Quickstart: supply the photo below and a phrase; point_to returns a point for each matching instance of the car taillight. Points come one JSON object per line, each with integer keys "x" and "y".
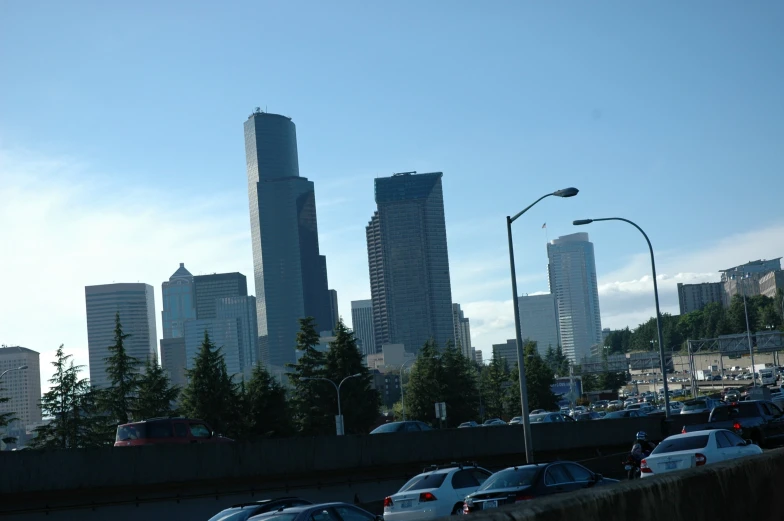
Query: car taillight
{"x": 424, "y": 497}
{"x": 388, "y": 502}
{"x": 522, "y": 496}
{"x": 737, "y": 426}
{"x": 700, "y": 459}
{"x": 683, "y": 430}
{"x": 466, "y": 510}
{"x": 644, "y": 468}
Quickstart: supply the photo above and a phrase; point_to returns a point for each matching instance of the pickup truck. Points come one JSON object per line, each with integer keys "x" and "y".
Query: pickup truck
{"x": 758, "y": 420}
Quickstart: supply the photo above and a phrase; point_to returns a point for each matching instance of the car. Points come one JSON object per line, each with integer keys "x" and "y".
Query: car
{"x": 587, "y": 416}
{"x": 468, "y": 424}
{"x": 579, "y": 409}
{"x": 634, "y": 406}
{"x": 156, "y": 431}
{"x": 600, "y": 404}
{"x": 695, "y": 449}
{"x": 243, "y": 511}
{"x": 403, "y": 426}
{"x": 698, "y": 405}
{"x": 623, "y": 414}
{"x": 436, "y": 492}
{"x": 517, "y": 420}
{"x": 549, "y": 417}
{"x": 537, "y": 411}
{"x": 319, "y": 512}
{"x": 516, "y": 484}
{"x": 493, "y": 422}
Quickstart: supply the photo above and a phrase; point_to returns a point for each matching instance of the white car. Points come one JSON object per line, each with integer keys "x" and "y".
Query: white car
{"x": 434, "y": 493}
{"x": 695, "y": 449}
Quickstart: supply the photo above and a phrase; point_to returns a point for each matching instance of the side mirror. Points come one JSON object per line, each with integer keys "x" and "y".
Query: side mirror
{"x": 598, "y": 477}
{"x": 749, "y": 442}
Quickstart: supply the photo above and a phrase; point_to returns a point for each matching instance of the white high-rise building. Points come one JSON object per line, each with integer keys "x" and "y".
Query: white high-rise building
{"x": 539, "y": 321}
{"x": 462, "y": 331}
{"x": 136, "y": 304}
{"x": 23, "y": 387}
{"x": 362, "y": 324}
{"x": 572, "y": 270}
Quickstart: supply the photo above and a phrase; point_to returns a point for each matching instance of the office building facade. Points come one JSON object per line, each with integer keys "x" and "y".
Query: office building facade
{"x": 693, "y": 297}
{"x": 173, "y": 359}
{"x": 408, "y": 262}
{"x": 362, "y": 324}
{"x": 507, "y": 351}
{"x": 462, "y": 331}
{"x": 770, "y": 283}
{"x": 225, "y": 333}
{"x": 745, "y": 279}
{"x": 23, "y": 387}
{"x": 135, "y": 302}
{"x": 208, "y": 289}
{"x": 178, "y": 302}
{"x": 290, "y": 273}
{"x": 539, "y": 321}
{"x": 242, "y": 309}
{"x": 333, "y": 309}
{"x": 572, "y": 272}
{"x": 478, "y": 356}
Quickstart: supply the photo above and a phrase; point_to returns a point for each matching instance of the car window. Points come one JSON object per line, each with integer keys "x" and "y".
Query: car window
{"x": 130, "y": 432}
{"x": 199, "y": 430}
{"x": 412, "y": 427}
{"x": 556, "y": 475}
{"x": 734, "y": 439}
{"x": 348, "y": 513}
{"x": 423, "y": 481}
{"x": 388, "y": 427}
{"x": 764, "y": 408}
{"x": 480, "y": 475}
{"x": 578, "y": 472}
{"x": 424, "y": 426}
{"x": 323, "y": 515}
{"x": 537, "y": 418}
{"x": 557, "y": 418}
{"x": 511, "y": 478}
{"x": 675, "y": 444}
{"x": 180, "y": 430}
{"x": 774, "y": 410}
{"x": 160, "y": 429}
{"x": 464, "y": 479}
{"x": 722, "y": 441}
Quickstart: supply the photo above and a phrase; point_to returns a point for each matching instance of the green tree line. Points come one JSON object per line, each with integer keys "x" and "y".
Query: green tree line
{"x": 710, "y": 322}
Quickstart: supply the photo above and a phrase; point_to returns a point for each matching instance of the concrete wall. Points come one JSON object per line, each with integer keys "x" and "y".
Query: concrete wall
{"x": 743, "y": 489}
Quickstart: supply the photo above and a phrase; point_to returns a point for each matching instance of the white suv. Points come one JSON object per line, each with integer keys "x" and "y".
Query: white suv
{"x": 434, "y": 493}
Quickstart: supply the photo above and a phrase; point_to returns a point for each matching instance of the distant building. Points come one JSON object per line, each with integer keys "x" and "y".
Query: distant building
{"x": 136, "y": 305}
{"x": 572, "y": 270}
{"x": 478, "y": 356}
{"x": 539, "y": 321}
{"x": 333, "y": 307}
{"x": 770, "y": 283}
{"x": 243, "y": 310}
{"x": 693, "y": 297}
{"x": 178, "y": 302}
{"x": 745, "y": 279}
{"x": 462, "y": 330}
{"x": 209, "y": 288}
{"x": 173, "y": 359}
{"x": 408, "y": 262}
{"x": 362, "y": 324}
{"x": 388, "y": 386}
{"x": 224, "y": 333}
{"x": 325, "y": 339}
{"x": 507, "y": 351}
{"x": 605, "y": 333}
{"x": 23, "y": 387}
{"x": 391, "y": 356}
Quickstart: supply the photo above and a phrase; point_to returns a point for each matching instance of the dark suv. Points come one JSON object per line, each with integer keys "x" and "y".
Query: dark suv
{"x": 166, "y": 430}
{"x": 243, "y": 511}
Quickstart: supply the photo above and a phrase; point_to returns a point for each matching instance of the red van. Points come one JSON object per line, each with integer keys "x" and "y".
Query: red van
{"x": 166, "y": 430}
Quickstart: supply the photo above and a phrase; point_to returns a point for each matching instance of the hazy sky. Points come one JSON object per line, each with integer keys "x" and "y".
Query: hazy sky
{"x": 122, "y": 154}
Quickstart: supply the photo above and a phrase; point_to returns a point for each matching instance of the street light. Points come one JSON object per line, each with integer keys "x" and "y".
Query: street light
{"x": 339, "y": 419}
{"x": 20, "y": 368}
{"x": 529, "y": 452}
{"x": 656, "y": 298}
{"x": 402, "y": 393}
{"x": 748, "y": 332}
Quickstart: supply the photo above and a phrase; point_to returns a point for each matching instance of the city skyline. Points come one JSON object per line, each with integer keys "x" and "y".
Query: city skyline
{"x": 96, "y": 190}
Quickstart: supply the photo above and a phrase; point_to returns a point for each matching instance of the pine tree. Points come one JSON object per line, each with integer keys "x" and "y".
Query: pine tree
{"x": 6, "y": 417}
{"x": 495, "y": 384}
{"x": 539, "y": 379}
{"x": 69, "y": 403}
{"x": 310, "y": 399}
{"x": 360, "y": 402}
{"x": 266, "y": 409}
{"x": 460, "y": 390}
{"x": 156, "y": 395}
{"x": 119, "y": 399}
{"x": 424, "y": 388}
{"x": 210, "y": 393}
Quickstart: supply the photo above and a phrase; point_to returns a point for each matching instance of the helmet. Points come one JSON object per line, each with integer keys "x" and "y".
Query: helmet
{"x": 641, "y": 435}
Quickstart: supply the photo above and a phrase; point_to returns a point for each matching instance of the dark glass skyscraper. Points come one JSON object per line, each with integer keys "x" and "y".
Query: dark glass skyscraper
{"x": 408, "y": 262}
{"x": 290, "y": 274}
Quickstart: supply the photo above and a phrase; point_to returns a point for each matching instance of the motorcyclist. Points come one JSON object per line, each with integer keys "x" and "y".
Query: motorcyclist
{"x": 642, "y": 447}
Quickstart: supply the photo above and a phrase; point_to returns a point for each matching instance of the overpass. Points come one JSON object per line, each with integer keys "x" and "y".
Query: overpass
{"x": 195, "y": 481}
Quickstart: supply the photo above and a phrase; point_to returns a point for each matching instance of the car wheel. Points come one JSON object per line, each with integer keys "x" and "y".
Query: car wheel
{"x": 458, "y": 510}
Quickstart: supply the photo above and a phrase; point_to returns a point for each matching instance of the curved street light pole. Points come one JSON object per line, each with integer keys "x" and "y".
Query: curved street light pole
{"x": 20, "y": 368}
{"x": 402, "y": 393}
{"x": 339, "y": 423}
{"x": 656, "y": 299}
{"x": 529, "y": 452}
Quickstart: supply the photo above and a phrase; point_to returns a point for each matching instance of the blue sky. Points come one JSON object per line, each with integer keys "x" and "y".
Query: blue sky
{"x": 121, "y": 146}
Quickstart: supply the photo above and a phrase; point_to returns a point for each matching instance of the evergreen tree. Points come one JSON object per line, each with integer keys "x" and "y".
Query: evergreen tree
{"x": 360, "y": 402}
{"x": 156, "y": 395}
{"x": 459, "y": 384}
{"x": 6, "y": 417}
{"x": 119, "y": 399}
{"x": 266, "y": 408}
{"x": 210, "y": 394}
{"x": 496, "y": 389}
{"x": 539, "y": 379}
{"x": 69, "y": 403}
{"x": 310, "y": 399}
{"x": 424, "y": 389}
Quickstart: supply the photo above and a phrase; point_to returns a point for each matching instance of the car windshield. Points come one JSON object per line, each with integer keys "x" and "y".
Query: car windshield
{"x": 510, "y": 478}
{"x": 676, "y": 444}
{"x": 692, "y": 405}
{"x": 537, "y": 418}
{"x": 387, "y": 427}
{"x": 424, "y": 481}
{"x": 132, "y": 431}
{"x": 616, "y": 414}
{"x": 282, "y": 516}
{"x": 234, "y": 514}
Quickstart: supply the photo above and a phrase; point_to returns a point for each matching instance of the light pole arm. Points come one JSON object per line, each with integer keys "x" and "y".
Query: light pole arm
{"x": 514, "y": 218}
